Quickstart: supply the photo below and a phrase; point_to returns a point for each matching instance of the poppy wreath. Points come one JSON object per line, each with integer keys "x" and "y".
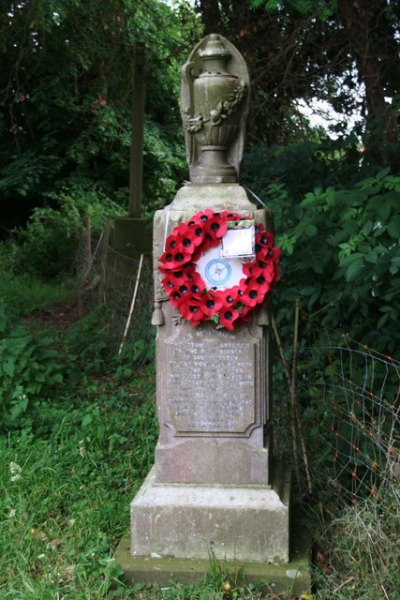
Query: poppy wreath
{"x": 185, "y": 287}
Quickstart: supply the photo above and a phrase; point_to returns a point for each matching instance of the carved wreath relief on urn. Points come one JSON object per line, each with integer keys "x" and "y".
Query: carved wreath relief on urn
{"x": 214, "y": 106}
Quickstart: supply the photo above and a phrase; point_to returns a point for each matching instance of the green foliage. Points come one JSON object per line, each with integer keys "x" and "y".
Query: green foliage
{"x": 299, "y": 167}
{"x": 48, "y": 244}
{"x": 322, "y": 8}
{"x": 26, "y": 173}
{"x": 317, "y": 52}
{"x": 340, "y": 244}
{"x": 27, "y": 294}
{"x": 30, "y": 368}
{"x": 353, "y": 273}
{"x": 86, "y": 343}
{"x": 66, "y": 92}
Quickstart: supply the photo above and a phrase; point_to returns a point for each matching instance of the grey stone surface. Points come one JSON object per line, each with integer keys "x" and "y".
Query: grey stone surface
{"x": 214, "y": 106}
{"x": 243, "y": 523}
{"x": 193, "y": 197}
{"x": 212, "y": 401}
{"x": 285, "y": 578}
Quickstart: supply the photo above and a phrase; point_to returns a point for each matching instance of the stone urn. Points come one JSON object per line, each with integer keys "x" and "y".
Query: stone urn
{"x": 214, "y": 101}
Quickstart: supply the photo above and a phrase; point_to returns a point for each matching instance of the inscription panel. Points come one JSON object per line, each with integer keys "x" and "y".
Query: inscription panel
{"x": 211, "y": 386}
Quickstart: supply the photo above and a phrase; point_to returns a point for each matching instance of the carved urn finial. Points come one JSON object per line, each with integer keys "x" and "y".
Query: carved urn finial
{"x": 214, "y": 106}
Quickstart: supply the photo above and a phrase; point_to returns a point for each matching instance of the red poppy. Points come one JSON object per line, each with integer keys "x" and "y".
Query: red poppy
{"x": 211, "y": 304}
{"x": 229, "y": 296}
{"x": 197, "y": 231}
{"x": 264, "y": 239}
{"x": 230, "y": 216}
{"x": 175, "y": 259}
{"x": 253, "y": 295}
{"x": 252, "y": 269}
{"x": 216, "y": 226}
{"x": 179, "y": 276}
{"x": 175, "y": 237}
{"x": 227, "y": 317}
{"x": 262, "y": 275}
{"x": 275, "y": 254}
{"x": 196, "y": 284}
{"x": 203, "y": 215}
{"x": 190, "y": 309}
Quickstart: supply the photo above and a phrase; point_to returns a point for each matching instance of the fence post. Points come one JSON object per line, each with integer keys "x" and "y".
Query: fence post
{"x": 103, "y": 260}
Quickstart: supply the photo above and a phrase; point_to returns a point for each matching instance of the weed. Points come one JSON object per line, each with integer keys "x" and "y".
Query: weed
{"x": 27, "y": 294}
{"x": 29, "y": 367}
{"x": 363, "y": 549}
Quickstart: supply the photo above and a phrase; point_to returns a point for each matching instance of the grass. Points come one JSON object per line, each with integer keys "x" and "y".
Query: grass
{"x": 66, "y": 482}
{"x": 27, "y": 294}
{"x": 74, "y": 460}
{"x": 363, "y": 550}
{"x": 65, "y": 496}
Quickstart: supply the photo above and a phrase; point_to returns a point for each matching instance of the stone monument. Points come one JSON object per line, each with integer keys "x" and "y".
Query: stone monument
{"x": 213, "y": 488}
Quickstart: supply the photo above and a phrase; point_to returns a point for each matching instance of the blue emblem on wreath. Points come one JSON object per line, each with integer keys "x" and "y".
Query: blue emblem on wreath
{"x": 218, "y": 271}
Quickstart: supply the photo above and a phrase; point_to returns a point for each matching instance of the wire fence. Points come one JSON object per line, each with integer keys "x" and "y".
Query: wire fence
{"x": 344, "y": 411}
{"x": 124, "y": 285}
{"x": 361, "y": 392}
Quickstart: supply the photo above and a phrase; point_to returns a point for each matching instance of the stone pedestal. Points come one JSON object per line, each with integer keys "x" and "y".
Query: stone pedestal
{"x": 210, "y": 489}
{"x": 234, "y": 523}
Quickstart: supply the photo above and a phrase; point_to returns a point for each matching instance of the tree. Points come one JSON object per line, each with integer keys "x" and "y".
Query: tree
{"x": 371, "y": 30}
{"x": 65, "y": 95}
{"x": 282, "y": 50}
{"x": 343, "y": 51}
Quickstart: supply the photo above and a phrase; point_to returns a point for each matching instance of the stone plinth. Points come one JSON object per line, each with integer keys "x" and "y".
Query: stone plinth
{"x": 243, "y": 523}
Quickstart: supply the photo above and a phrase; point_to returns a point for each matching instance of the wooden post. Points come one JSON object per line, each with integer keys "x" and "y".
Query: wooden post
{"x": 86, "y": 249}
{"x": 103, "y": 259}
{"x": 136, "y": 162}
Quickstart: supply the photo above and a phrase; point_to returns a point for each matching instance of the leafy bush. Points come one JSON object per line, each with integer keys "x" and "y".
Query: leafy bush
{"x": 48, "y": 244}
{"x": 30, "y": 368}
{"x": 340, "y": 243}
{"x": 87, "y": 345}
{"x": 346, "y": 256}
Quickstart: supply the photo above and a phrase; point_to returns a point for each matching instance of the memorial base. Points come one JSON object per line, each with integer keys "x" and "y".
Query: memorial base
{"x": 242, "y": 523}
{"x": 284, "y": 577}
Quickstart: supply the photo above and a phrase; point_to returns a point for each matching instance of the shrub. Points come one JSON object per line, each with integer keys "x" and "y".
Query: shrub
{"x": 48, "y": 244}
{"x": 341, "y": 251}
{"x": 29, "y": 368}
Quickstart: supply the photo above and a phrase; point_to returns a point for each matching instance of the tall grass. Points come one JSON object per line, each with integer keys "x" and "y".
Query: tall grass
{"x": 65, "y": 494}
{"x": 363, "y": 551}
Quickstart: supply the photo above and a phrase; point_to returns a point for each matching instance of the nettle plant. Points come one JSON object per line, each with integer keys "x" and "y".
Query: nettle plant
{"x": 29, "y": 368}
{"x": 341, "y": 257}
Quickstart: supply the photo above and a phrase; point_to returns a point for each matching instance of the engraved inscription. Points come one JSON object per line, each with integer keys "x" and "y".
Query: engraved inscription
{"x": 211, "y": 386}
